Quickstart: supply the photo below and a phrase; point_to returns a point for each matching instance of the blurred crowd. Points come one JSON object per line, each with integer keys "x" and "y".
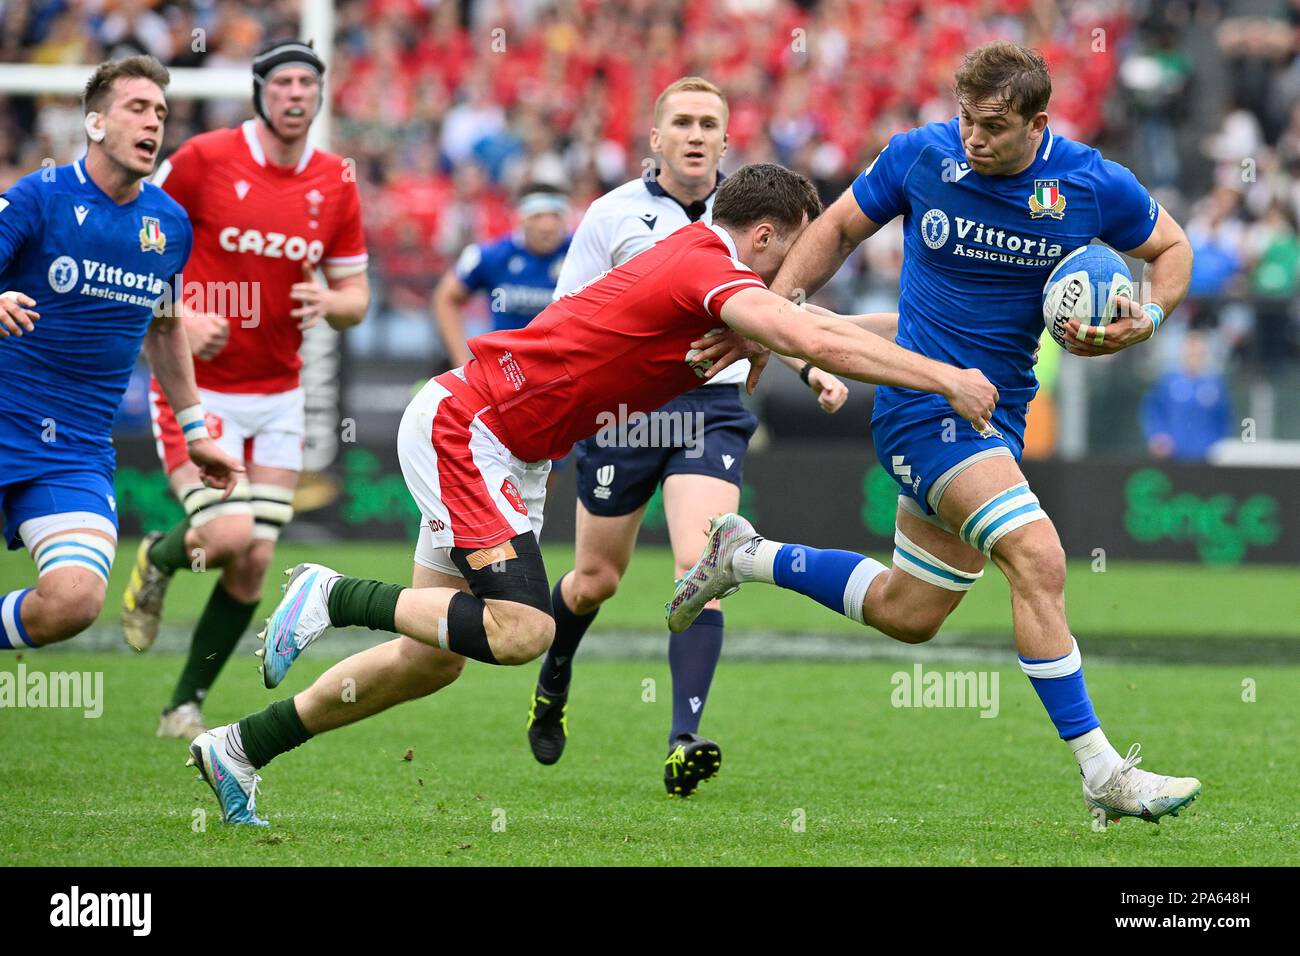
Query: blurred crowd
{"x": 448, "y": 106}
{"x": 1235, "y": 171}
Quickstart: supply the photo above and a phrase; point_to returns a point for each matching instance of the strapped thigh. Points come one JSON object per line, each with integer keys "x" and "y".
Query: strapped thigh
{"x": 63, "y": 541}
{"x": 511, "y": 571}
{"x": 999, "y": 516}
{"x": 272, "y": 509}
{"x": 920, "y": 563}
{"x": 203, "y": 504}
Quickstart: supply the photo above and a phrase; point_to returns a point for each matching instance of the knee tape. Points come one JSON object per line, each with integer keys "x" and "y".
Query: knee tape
{"x": 920, "y": 563}
{"x": 512, "y": 571}
{"x": 272, "y": 510}
{"x": 202, "y": 504}
{"x": 999, "y": 516}
{"x": 87, "y": 551}
{"x": 465, "y": 618}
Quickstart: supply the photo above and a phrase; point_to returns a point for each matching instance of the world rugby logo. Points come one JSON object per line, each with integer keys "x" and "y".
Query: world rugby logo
{"x": 934, "y": 228}
{"x": 63, "y": 274}
{"x": 604, "y": 478}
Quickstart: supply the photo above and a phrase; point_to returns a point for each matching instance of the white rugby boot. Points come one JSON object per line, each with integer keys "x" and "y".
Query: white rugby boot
{"x": 185, "y": 721}
{"x": 1130, "y": 792}
{"x": 712, "y": 576}
{"x": 301, "y": 616}
{"x": 232, "y": 779}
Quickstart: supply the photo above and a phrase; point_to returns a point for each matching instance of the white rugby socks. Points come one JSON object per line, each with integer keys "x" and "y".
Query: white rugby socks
{"x": 13, "y": 636}
{"x": 756, "y": 561}
{"x": 1097, "y": 758}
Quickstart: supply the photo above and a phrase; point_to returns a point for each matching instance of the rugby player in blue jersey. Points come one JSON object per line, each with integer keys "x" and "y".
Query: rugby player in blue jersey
{"x": 88, "y": 254}
{"x": 990, "y": 200}
{"x": 516, "y": 272}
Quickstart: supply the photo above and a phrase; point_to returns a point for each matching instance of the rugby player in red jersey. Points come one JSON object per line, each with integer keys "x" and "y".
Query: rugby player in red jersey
{"x": 269, "y": 211}
{"x": 476, "y": 445}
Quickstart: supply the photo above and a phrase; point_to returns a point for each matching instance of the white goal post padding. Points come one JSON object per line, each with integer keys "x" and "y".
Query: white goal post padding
{"x": 29, "y": 79}
{"x": 225, "y": 83}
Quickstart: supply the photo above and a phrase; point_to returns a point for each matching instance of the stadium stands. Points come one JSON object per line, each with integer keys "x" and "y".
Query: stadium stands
{"x": 446, "y": 107}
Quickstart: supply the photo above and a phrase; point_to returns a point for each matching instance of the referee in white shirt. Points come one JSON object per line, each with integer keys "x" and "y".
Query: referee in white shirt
{"x": 697, "y": 453}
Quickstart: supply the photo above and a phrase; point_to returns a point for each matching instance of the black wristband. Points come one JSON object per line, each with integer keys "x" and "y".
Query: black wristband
{"x": 804, "y": 372}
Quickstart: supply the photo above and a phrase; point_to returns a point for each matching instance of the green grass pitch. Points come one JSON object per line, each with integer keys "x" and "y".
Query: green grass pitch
{"x": 1154, "y": 601}
{"x": 819, "y": 768}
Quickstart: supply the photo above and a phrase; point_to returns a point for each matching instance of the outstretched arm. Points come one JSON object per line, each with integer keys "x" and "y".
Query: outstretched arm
{"x": 841, "y": 347}
{"x": 722, "y": 347}
{"x": 884, "y": 324}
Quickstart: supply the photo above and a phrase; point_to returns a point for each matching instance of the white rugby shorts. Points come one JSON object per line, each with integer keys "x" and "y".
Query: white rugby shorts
{"x": 264, "y": 429}
{"x": 472, "y": 492}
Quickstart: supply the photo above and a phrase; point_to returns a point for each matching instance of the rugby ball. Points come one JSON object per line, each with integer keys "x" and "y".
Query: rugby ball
{"x": 1083, "y": 286}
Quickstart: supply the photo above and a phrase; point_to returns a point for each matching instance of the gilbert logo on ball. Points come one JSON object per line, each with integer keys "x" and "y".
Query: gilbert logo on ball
{"x": 1084, "y": 286}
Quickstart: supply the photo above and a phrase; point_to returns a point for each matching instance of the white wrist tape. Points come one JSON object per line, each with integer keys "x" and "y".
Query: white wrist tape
{"x": 1156, "y": 314}
{"x": 192, "y": 423}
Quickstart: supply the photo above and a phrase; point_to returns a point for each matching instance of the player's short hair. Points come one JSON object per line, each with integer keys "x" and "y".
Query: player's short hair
{"x": 100, "y": 85}
{"x": 1005, "y": 71}
{"x": 766, "y": 192}
{"x": 690, "y": 84}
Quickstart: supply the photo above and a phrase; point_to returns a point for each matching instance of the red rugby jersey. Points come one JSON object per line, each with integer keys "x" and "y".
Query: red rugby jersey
{"x": 255, "y": 222}
{"x": 620, "y": 340}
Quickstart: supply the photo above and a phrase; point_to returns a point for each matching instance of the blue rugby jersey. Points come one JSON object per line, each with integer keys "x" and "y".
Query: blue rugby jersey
{"x": 518, "y": 283}
{"x": 977, "y": 249}
{"x": 95, "y": 269}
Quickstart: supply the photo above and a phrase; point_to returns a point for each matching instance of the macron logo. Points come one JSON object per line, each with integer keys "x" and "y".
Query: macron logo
{"x": 728, "y": 461}
{"x": 696, "y": 704}
{"x": 81, "y": 212}
{"x": 961, "y": 171}
{"x": 241, "y": 189}
{"x": 133, "y": 910}
{"x": 902, "y": 470}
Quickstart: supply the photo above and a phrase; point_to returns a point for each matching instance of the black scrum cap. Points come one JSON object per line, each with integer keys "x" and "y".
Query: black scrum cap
{"x": 276, "y": 56}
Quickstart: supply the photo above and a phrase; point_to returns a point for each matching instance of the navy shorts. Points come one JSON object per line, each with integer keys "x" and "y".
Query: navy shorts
{"x": 920, "y": 443}
{"x": 704, "y": 432}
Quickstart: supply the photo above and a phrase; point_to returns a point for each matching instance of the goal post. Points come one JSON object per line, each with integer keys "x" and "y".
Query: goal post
{"x": 187, "y": 83}
{"x": 33, "y": 79}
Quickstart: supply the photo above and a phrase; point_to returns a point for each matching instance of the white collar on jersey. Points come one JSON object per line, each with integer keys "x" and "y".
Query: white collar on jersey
{"x": 726, "y": 237}
{"x": 255, "y": 147}
{"x": 79, "y": 167}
